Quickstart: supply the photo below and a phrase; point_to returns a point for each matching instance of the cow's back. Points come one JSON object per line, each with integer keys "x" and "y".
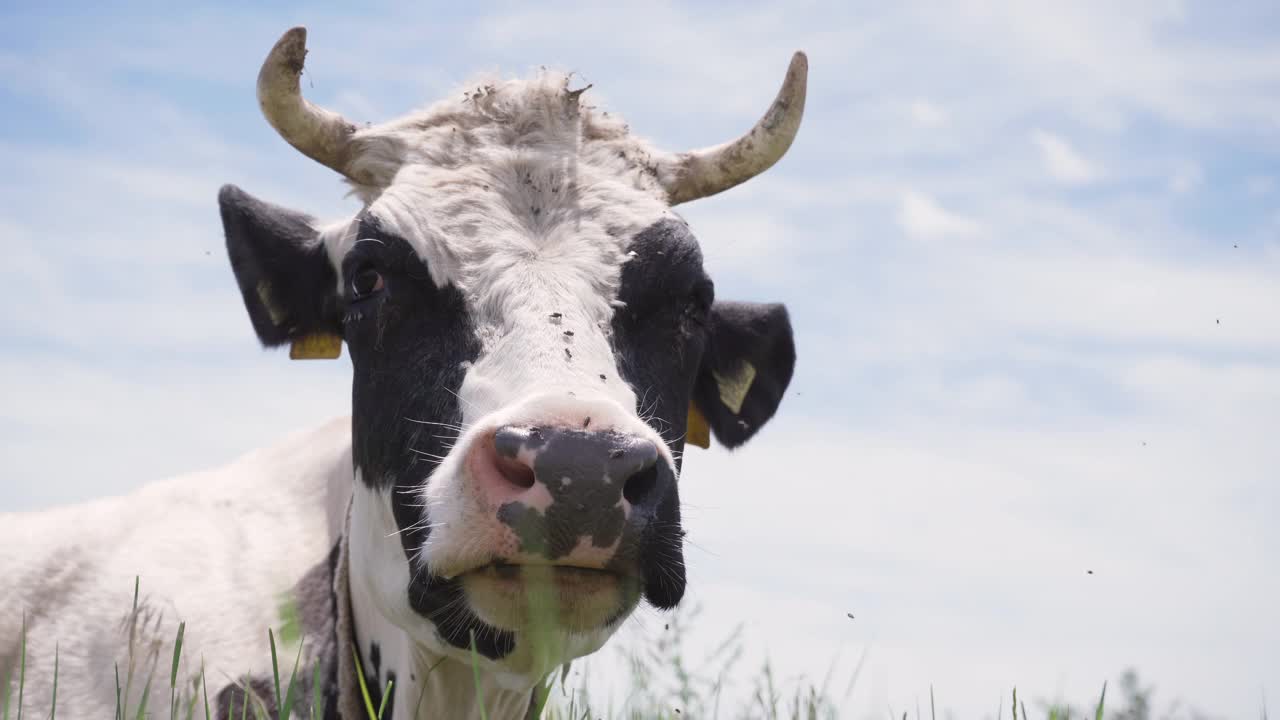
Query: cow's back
{"x": 215, "y": 549}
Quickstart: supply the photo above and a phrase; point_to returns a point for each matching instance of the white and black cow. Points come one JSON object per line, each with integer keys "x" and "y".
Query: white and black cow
{"x": 533, "y": 341}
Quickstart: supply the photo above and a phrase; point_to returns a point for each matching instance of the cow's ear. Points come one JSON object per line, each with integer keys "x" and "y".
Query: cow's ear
{"x": 289, "y": 286}
{"x": 745, "y": 369}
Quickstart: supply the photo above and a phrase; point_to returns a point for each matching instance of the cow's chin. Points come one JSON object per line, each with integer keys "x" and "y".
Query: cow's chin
{"x": 549, "y": 598}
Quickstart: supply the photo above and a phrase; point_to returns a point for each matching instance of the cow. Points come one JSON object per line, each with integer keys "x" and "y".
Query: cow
{"x": 533, "y": 341}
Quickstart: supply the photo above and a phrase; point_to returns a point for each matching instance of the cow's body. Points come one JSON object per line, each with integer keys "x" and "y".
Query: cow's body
{"x": 217, "y": 549}
{"x": 532, "y": 336}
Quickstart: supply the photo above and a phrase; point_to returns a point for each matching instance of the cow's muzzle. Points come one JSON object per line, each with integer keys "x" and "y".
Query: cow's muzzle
{"x": 575, "y": 514}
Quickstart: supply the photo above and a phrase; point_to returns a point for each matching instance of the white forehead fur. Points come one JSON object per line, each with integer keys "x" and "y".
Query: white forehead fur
{"x": 508, "y": 185}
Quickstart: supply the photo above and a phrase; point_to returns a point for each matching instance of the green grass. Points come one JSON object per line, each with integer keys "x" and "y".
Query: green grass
{"x": 665, "y": 684}
{"x": 475, "y": 674}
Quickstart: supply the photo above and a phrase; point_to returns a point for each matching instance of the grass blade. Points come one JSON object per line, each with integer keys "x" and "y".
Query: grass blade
{"x": 191, "y": 702}
{"x": 22, "y": 668}
{"x": 119, "y": 708}
{"x": 53, "y": 710}
{"x": 1097, "y": 714}
{"x": 423, "y": 692}
{"x": 386, "y": 694}
{"x": 204, "y": 686}
{"x": 317, "y": 700}
{"x": 133, "y": 627}
{"x": 933, "y": 708}
{"x": 146, "y": 695}
{"x": 275, "y": 666}
{"x": 364, "y": 689}
{"x": 475, "y": 676}
{"x": 173, "y": 671}
{"x": 285, "y": 710}
{"x": 542, "y": 695}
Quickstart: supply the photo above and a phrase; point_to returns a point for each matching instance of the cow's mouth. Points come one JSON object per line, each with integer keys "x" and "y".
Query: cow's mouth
{"x": 530, "y": 597}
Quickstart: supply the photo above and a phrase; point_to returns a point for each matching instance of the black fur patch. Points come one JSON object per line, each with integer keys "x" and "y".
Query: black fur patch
{"x": 232, "y": 699}
{"x": 380, "y": 681}
{"x": 660, "y": 333}
{"x": 389, "y": 712}
{"x": 408, "y": 344}
{"x": 659, "y": 338}
{"x": 669, "y": 306}
{"x": 441, "y": 601}
{"x": 670, "y": 338}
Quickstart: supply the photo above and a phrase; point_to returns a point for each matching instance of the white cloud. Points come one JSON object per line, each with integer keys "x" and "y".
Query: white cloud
{"x": 1098, "y": 65}
{"x": 1118, "y": 299}
{"x": 920, "y": 216}
{"x": 99, "y": 426}
{"x": 926, "y": 114}
{"x": 1061, "y": 161}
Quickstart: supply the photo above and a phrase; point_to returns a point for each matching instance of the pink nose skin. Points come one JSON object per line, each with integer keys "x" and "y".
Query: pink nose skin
{"x": 565, "y": 496}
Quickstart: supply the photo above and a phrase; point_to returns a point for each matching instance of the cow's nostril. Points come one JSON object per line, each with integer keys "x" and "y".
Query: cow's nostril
{"x": 506, "y": 454}
{"x": 640, "y": 485}
{"x": 516, "y": 472}
{"x": 637, "y": 460}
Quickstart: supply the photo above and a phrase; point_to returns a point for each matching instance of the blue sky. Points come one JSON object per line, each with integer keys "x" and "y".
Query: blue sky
{"x": 1032, "y": 255}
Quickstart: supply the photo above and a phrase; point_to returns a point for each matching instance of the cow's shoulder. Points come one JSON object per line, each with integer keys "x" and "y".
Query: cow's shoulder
{"x": 216, "y": 549}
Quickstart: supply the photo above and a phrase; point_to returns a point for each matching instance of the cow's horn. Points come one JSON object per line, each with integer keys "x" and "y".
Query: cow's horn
{"x": 704, "y": 172}
{"x": 322, "y": 135}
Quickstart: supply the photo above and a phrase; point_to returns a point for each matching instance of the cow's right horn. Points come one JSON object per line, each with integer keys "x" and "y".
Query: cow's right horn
{"x": 320, "y": 134}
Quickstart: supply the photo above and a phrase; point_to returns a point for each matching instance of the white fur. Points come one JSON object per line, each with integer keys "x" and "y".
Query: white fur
{"x": 214, "y": 549}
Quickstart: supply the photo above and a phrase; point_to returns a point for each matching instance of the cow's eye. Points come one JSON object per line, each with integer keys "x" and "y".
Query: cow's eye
{"x": 365, "y": 282}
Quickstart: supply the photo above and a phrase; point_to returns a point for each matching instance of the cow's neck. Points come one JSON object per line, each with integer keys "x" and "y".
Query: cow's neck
{"x": 426, "y": 684}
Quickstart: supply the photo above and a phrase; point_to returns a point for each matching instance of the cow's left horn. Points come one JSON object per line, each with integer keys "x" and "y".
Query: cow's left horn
{"x": 322, "y": 135}
{"x": 704, "y": 172}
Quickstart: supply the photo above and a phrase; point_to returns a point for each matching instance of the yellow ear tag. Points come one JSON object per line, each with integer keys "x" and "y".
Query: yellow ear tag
{"x": 697, "y": 432}
{"x": 320, "y": 346}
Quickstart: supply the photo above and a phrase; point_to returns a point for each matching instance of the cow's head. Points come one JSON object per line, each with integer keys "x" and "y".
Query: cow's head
{"x": 531, "y": 329}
